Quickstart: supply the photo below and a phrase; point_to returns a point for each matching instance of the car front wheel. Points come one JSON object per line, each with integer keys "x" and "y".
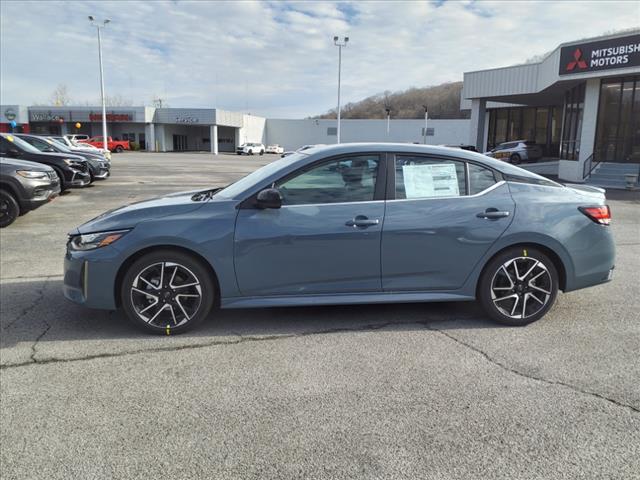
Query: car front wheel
{"x": 119, "y": 149}
{"x": 518, "y": 286}
{"x": 9, "y": 209}
{"x": 167, "y": 292}
{"x": 515, "y": 159}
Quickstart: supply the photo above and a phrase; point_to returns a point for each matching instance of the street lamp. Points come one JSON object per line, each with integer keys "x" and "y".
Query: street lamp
{"x": 426, "y": 119}
{"x": 339, "y": 43}
{"x": 99, "y": 27}
{"x": 387, "y": 109}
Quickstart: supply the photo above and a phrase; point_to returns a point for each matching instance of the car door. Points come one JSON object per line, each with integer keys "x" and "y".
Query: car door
{"x": 324, "y": 239}
{"x": 442, "y": 216}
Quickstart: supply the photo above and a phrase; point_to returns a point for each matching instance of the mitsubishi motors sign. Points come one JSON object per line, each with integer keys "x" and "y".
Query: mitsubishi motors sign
{"x": 609, "y": 54}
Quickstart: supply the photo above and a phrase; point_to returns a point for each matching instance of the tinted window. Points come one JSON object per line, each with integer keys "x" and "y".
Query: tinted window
{"x": 350, "y": 179}
{"x": 480, "y": 178}
{"x": 423, "y": 177}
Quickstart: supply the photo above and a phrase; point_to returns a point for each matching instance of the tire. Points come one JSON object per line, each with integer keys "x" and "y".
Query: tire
{"x": 63, "y": 184}
{"x": 238, "y": 153}
{"x": 250, "y": 152}
{"x": 9, "y": 208}
{"x": 503, "y": 294}
{"x": 515, "y": 159}
{"x": 261, "y": 152}
{"x": 189, "y": 270}
{"x": 119, "y": 149}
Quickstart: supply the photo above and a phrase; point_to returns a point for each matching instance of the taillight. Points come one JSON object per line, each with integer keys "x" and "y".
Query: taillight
{"x": 601, "y": 214}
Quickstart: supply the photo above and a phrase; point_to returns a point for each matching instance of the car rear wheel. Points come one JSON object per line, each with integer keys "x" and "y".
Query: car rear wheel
{"x": 119, "y": 149}
{"x": 518, "y": 286}
{"x": 167, "y": 292}
{"x": 261, "y": 152}
{"x": 515, "y": 159}
{"x": 9, "y": 208}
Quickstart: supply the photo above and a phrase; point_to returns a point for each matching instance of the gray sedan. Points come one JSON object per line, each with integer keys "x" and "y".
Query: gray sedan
{"x": 347, "y": 224}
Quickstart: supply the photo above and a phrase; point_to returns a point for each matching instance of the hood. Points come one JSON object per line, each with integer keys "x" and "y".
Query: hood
{"x": 25, "y": 164}
{"x": 130, "y": 215}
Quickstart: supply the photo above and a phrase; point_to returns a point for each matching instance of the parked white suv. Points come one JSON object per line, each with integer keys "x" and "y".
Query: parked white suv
{"x": 274, "y": 149}
{"x": 250, "y": 149}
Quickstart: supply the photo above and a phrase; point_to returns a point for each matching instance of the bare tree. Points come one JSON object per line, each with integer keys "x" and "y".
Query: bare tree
{"x": 60, "y": 96}
{"x": 159, "y": 102}
{"x": 117, "y": 101}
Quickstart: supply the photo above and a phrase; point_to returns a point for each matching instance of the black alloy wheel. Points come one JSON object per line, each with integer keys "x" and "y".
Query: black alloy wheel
{"x": 167, "y": 292}
{"x": 9, "y": 209}
{"x": 519, "y": 286}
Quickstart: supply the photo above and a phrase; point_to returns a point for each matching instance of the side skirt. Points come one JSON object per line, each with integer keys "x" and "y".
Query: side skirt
{"x": 342, "y": 299}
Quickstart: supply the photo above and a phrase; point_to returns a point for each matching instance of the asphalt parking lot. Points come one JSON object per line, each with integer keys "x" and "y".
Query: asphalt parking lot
{"x": 394, "y": 391}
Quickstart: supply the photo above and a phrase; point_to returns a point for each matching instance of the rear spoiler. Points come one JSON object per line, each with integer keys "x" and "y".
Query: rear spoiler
{"x": 585, "y": 188}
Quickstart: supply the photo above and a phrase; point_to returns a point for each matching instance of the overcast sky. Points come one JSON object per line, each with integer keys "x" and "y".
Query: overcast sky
{"x": 277, "y": 57}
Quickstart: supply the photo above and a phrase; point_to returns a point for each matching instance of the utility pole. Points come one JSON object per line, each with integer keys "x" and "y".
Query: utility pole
{"x": 339, "y": 43}
{"x": 104, "y": 105}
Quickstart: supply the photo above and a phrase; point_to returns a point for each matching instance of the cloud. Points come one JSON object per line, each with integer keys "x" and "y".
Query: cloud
{"x": 277, "y": 57}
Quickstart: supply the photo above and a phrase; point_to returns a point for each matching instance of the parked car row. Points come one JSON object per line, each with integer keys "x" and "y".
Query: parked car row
{"x": 35, "y": 169}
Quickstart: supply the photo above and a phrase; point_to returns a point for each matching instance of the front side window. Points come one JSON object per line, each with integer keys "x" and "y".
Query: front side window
{"x": 350, "y": 179}
{"x": 424, "y": 177}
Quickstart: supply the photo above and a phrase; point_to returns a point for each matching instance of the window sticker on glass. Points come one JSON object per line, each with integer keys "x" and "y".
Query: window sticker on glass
{"x": 438, "y": 180}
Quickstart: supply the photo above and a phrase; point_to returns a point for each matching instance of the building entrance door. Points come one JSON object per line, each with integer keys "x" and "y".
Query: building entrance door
{"x": 179, "y": 143}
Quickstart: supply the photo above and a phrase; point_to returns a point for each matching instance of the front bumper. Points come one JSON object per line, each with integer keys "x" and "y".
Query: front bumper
{"x": 103, "y": 173}
{"x": 89, "y": 277}
{"x": 79, "y": 179}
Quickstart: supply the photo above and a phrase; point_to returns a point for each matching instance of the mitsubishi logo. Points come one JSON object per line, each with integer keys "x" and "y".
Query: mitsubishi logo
{"x": 577, "y": 61}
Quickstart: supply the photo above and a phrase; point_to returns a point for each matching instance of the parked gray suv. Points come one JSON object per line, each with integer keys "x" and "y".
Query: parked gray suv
{"x": 24, "y": 186}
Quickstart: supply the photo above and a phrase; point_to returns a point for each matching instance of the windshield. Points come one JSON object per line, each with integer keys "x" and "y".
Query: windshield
{"x": 21, "y": 144}
{"x": 59, "y": 145}
{"x": 244, "y": 183}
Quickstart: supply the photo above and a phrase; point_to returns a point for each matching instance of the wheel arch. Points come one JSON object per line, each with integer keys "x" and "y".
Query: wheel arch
{"x": 144, "y": 251}
{"x": 553, "y": 256}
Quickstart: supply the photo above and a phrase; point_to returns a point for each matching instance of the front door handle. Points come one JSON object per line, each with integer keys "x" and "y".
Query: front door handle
{"x": 362, "y": 221}
{"x": 492, "y": 214}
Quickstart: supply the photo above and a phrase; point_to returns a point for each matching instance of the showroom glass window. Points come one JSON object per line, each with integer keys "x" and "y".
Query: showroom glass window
{"x": 618, "y": 129}
{"x": 348, "y": 179}
{"x": 572, "y": 127}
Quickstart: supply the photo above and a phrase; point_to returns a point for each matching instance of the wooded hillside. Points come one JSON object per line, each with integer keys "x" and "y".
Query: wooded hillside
{"x": 443, "y": 102}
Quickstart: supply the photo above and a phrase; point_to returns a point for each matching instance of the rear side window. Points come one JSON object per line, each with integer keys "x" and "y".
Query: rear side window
{"x": 424, "y": 177}
{"x": 480, "y": 178}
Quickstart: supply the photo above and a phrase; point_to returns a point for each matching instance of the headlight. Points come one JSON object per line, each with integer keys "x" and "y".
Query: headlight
{"x": 72, "y": 162}
{"x": 32, "y": 174}
{"x": 91, "y": 241}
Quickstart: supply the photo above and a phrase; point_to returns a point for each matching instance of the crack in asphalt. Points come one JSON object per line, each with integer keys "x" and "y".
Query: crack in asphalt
{"x": 26, "y": 310}
{"x": 367, "y": 327}
{"x": 529, "y": 376}
{"x": 32, "y": 277}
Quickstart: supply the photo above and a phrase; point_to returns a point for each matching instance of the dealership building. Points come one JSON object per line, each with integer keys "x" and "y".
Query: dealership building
{"x": 581, "y": 103}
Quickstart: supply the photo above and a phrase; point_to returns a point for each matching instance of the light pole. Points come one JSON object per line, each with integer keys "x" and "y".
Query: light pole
{"x": 99, "y": 27}
{"x": 339, "y": 43}
{"x": 388, "y": 110}
{"x": 426, "y": 119}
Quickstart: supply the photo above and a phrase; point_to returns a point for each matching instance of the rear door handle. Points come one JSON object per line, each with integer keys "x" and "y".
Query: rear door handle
{"x": 492, "y": 214}
{"x": 362, "y": 221}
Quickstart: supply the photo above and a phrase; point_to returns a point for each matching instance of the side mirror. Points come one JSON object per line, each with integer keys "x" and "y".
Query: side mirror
{"x": 269, "y": 198}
